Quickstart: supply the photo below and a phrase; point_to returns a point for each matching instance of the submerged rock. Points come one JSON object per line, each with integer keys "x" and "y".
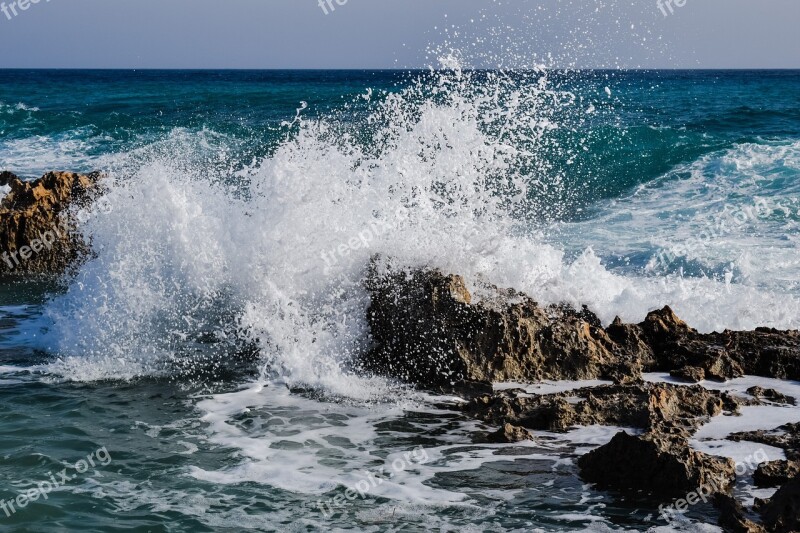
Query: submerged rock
{"x": 36, "y": 230}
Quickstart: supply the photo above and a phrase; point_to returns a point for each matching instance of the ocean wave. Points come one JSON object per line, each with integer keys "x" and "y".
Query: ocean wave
{"x": 452, "y": 172}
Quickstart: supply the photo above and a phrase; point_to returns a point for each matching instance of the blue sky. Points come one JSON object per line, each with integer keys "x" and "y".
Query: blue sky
{"x": 395, "y": 33}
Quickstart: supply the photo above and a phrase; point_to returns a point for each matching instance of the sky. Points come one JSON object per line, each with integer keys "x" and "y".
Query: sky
{"x": 398, "y": 33}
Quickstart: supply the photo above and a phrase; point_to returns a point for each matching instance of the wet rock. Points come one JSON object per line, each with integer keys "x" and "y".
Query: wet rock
{"x": 774, "y": 473}
{"x": 429, "y": 330}
{"x": 692, "y": 374}
{"x": 786, "y": 437}
{"x": 657, "y": 464}
{"x": 781, "y": 513}
{"x": 36, "y": 229}
{"x": 644, "y": 406}
{"x": 771, "y": 395}
{"x": 508, "y": 434}
{"x": 733, "y": 517}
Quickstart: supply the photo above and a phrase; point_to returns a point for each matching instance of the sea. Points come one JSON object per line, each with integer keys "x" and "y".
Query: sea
{"x": 199, "y": 372}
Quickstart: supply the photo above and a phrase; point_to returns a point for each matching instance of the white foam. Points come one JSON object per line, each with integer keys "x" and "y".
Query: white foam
{"x": 751, "y": 418}
{"x": 736, "y": 386}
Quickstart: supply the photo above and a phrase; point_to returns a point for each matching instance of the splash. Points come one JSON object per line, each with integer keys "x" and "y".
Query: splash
{"x": 459, "y": 169}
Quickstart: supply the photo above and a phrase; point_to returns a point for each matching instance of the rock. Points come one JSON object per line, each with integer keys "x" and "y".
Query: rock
{"x": 509, "y": 433}
{"x": 36, "y": 230}
{"x": 732, "y": 516}
{"x": 775, "y": 473}
{"x": 781, "y": 513}
{"x": 692, "y": 374}
{"x": 771, "y": 395}
{"x": 661, "y": 465}
{"x": 644, "y": 406}
{"x": 429, "y": 330}
{"x": 786, "y": 437}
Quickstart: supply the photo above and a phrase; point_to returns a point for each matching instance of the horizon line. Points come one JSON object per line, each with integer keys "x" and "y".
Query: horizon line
{"x": 369, "y": 69}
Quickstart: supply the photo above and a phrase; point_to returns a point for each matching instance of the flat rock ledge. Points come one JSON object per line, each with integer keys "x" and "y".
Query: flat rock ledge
{"x": 429, "y": 330}
{"x": 37, "y": 232}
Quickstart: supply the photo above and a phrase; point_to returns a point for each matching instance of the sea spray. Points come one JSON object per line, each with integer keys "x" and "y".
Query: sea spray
{"x": 192, "y": 264}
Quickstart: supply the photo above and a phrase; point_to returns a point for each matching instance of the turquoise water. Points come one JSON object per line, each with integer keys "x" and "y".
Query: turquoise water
{"x": 226, "y": 190}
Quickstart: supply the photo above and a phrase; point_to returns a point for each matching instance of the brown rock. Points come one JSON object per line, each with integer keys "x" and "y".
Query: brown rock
{"x": 661, "y": 465}
{"x": 36, "y": 231}
{"x": 429, "y": 330}
{"x": 786, "y": 437}
{"x": 692, "y": 374}
{"x": 509, "y": 433}
{"x": 781, "y": 513}
{"x": 775, "y": 473}
{"x": 645, "y": 406}
{"x": 732, "y": 516}
{"x": 771, "y": 395}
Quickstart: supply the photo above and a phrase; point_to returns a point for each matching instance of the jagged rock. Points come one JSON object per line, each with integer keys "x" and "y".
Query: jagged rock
{"x": 509, "y": 433}
{"x": 658, "y": 464}
{"x": 692, "y": 374}
{"x": 427, "y": 329}
{"x": 36, "y": 232}
{"x": 644, "y": 406}
{"x": 732, "y": 516}
{"x": 781, "y": 513}
{"x": 771, "y": 395}
{"x": 774, "y": 473}
{"x": 786, "y": 437}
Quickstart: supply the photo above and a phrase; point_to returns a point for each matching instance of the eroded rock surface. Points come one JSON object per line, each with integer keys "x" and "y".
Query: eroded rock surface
{"x": 644, "y": 406}
{"x": 786, "y": 437}
{"x": 733, "y": 517}
{"x": 782, "y": 512}
{"x": 509, "y": 433}
{"x": 775, "y": 473}
{"x": 656, "y": 463}
{"x": 36, "y": 231}
{"x": 428, "y": 329}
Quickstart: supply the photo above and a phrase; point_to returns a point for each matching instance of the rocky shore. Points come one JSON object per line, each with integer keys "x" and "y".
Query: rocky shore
{"x": 429, "y": 330}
